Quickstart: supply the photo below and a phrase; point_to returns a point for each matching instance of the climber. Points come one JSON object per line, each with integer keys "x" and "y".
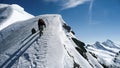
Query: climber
{"x": 41, "y": 25}
{"x": 33, "y": 31}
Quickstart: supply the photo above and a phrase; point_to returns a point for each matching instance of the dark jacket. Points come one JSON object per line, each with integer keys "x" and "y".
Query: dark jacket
{"x": 33, "y": 31}
{"x": 41, "y": 23}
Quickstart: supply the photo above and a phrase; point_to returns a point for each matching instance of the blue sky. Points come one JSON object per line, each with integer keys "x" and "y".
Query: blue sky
{"x": 92, "y": 20}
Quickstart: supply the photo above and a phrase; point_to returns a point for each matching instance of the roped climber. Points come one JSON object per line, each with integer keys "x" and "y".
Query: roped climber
{"x": 33, "y": 31}
{"x": 41, "y": 25}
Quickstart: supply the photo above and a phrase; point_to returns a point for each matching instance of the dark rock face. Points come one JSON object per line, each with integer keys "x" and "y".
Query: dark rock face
{"x": 68, "y": 28}
{"x": 81, "y": 49}
{"x": 80, "y": 45}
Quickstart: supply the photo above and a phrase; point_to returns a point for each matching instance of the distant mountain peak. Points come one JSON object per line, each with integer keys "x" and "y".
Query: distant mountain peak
{"x": 97, "y": 42}
{"x": 105, "y": 50}
{"x": 109, "y": 41}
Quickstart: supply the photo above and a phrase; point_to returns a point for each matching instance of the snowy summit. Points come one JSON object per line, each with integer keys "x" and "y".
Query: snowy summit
{"x": 10, "y": 14}
{"x": 44, "y": 41}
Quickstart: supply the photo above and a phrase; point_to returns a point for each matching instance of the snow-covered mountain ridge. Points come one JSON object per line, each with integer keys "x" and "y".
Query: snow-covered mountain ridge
{"x": 57, "y": 47}
{"x": 106, "y": 52}
{"x": 10, "y": 14}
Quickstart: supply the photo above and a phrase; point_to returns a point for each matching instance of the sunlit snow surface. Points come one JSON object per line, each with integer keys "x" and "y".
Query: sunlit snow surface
{"x": 19, "y": 48}
{"x": 10, "y": 14}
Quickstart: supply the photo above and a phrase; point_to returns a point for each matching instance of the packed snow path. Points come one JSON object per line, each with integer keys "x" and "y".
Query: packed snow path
{"x": 25, "y": 45}
{"x": 40, "y": 51}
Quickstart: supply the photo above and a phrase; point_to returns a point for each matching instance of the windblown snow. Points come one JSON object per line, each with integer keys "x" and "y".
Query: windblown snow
{"x": 57, "y": 47}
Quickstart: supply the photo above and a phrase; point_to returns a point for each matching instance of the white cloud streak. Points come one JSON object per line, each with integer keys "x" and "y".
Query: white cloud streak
{"x": 66, "y": 4}
{"x": 90, "y": 11}
{"x": 73, "y": 3}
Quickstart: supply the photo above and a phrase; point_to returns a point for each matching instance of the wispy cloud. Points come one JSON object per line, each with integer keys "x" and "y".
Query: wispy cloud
{"x": 90, "y": 11}
{"x": 73, "y": 3}
{"x": 66, "y": 4}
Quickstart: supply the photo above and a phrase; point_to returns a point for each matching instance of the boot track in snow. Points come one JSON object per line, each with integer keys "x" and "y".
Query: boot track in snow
{"x": 25, "y": 45}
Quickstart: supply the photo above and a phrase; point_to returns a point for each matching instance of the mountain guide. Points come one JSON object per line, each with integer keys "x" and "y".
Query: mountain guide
{"x": 33, "y": 31}
{"x": 41, "y": 25}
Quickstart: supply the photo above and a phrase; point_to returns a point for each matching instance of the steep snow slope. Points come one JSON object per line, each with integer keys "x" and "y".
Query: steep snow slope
{"x": 10, "y": 14}
{"x": 105, "y": 53}
{"x": 56, "y": 48}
